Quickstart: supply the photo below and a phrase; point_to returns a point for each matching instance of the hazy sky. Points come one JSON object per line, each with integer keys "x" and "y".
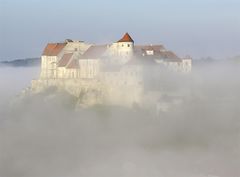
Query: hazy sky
{"x": 194, "y": 27}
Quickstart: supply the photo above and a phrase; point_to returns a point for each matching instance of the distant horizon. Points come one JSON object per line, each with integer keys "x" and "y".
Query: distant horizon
{"x": 207, "y": 28}
{"x": 196, "y": 58}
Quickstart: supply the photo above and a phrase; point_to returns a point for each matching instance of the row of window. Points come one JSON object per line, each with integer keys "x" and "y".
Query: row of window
{"x": 128, "y": 45}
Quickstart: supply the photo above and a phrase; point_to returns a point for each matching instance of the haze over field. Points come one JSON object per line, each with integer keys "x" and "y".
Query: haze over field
{"x": 42, "y": 135}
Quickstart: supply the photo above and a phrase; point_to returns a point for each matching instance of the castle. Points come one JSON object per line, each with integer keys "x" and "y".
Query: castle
{"x": 104, "y": 74}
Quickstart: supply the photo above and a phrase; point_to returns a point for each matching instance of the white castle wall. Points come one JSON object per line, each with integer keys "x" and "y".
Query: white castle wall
{"x": 48, "y": 67}
{"x": 89, "y": 68}
{"x": 125, "y": 86}
{"x": 183, "y": 66}
{"x": 95, "y": 92}
{"x": 122, "y": 51}
{"x": 186, "y": 65}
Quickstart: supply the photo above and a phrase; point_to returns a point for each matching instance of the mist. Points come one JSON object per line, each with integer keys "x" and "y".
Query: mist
{"x": 43, "y": 135}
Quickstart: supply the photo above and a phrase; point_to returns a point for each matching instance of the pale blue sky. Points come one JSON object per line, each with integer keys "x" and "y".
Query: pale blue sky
{"x": 194, "y": 27}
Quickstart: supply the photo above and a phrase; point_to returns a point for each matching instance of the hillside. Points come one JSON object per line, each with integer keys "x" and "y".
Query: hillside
{"x": 28, "y": 62}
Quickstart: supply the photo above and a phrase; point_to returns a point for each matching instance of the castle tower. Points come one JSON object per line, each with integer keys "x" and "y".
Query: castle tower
{"x": 125, "y": 47}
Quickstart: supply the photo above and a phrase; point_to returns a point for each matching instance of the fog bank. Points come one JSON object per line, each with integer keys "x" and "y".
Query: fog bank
{"x": 42, "y": 135}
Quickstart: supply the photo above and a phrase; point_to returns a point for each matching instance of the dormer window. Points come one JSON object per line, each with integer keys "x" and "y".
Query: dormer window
{"x": 150, "y": 52}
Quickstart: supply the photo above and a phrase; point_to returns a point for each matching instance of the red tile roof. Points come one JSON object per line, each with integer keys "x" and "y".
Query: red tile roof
{"x": 142, "y": 49}
{"x": 65, "y": 59}
{"x": 53, "y": 49}
{"x": 94, "y": 52}
{"x": 74, "y": 64}
{"x": 159, "y": 52}
{"x": 168, "y": 55}
{"x": 178, "y": 60}
{"x": 126, "y": 38}
{"x": 149, "y": 47}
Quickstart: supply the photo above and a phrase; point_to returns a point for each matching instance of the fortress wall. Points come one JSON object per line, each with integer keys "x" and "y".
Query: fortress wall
{"x": 94, "y": 92}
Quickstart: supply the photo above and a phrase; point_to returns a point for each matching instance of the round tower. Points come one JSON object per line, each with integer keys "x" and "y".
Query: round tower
{"x": 125, "y": 47}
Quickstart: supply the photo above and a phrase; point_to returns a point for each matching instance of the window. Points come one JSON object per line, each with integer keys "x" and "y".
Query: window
{"x": 128, "y": 45}
{"x": 150, "y": 52}
{"x": 122, "y": 45}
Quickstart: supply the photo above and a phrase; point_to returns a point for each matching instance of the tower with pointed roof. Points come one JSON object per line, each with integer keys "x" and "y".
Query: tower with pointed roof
{"x": 124, "y": 48}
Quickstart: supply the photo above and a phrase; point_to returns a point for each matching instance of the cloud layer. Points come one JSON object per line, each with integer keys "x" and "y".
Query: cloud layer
{"x": 41, "y": 137}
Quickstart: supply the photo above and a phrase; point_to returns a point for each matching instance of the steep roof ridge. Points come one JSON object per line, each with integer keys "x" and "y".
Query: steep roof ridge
{"x": 64, "y": 61}
{"x": 53, "y": 49}
{"x": 47, "y": 50}
{"x": 94, "y": 52}
{"x": 126, "y": 38}
{"x": 73, "y": 64}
